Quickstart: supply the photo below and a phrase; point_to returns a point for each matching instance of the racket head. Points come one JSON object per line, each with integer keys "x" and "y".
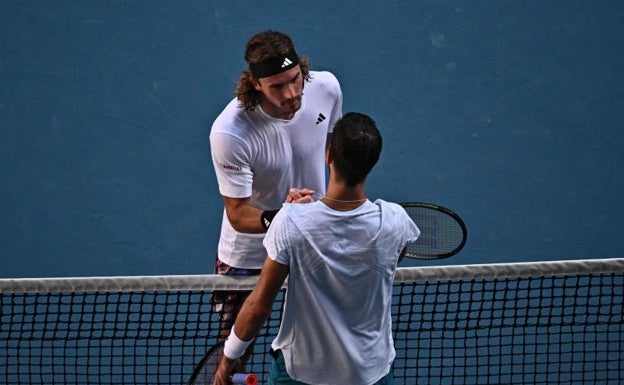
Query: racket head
{"x": 204, "y": 373}
{"x": 443, "y": 232}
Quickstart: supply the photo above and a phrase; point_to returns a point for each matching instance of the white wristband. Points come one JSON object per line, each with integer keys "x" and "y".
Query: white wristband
{"x": 234, "y": 347}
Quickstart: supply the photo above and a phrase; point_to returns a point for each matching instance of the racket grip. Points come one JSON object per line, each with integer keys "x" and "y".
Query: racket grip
{"x": 244, "y": 379}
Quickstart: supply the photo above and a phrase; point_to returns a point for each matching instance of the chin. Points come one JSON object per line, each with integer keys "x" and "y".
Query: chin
{"x": 292, "y": 107}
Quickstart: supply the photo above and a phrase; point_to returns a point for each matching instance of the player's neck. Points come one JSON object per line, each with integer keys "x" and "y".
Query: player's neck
{"x": 343, "y": 198}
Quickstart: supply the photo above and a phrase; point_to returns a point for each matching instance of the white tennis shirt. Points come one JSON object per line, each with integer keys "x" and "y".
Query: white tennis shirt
{"x": 336, "y": 326}
{"x": 258, "y": 156}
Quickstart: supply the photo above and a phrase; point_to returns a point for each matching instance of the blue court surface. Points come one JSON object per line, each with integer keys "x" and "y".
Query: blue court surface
{"x": 509, "y": 112}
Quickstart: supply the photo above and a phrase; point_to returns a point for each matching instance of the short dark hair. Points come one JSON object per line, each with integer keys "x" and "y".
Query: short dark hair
{"x": 355, "y": 147}
{"x": 263, "y": 45}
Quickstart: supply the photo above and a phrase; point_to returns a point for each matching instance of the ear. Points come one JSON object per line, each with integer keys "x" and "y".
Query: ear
{"x": 256, "y": 83}
{"x": 328, "y": 157}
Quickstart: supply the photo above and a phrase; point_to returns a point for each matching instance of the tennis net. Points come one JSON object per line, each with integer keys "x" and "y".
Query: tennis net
{"x": 523, "y": 323}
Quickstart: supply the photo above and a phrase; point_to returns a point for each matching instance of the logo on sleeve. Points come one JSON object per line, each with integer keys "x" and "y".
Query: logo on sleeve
{"x": 229, "y": 167}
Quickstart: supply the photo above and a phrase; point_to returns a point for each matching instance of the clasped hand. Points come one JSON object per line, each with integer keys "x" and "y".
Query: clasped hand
{"x": 302, "y": 195}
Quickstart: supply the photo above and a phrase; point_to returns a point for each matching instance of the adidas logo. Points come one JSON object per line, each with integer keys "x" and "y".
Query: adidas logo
{"x": 286, "y": 62}
{"x": 320, "y": 118}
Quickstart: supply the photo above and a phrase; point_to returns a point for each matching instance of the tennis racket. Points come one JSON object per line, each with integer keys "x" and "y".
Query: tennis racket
{"x": 204, "y": 373}
{"x": 442, "y": 232}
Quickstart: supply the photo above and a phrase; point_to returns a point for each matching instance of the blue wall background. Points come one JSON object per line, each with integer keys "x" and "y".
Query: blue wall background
{"x": 509, "y": 112}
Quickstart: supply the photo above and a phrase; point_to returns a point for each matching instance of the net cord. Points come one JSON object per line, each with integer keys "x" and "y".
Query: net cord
{"x": 221, "y": 282}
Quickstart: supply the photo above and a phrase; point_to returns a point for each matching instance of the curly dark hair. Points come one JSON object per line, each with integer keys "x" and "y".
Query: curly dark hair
{"x": 261, "y": 46}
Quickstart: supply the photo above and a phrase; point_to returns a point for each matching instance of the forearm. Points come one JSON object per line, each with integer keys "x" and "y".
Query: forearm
{"x": 245, "y": 218}
{"x": 253, "y": 315}
{"x": 259, "y": 304}
{"x": 251, "y": 318}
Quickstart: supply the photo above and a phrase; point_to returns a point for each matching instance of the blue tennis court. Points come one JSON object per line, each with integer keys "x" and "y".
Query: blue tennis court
{"x": 509, "y": 112}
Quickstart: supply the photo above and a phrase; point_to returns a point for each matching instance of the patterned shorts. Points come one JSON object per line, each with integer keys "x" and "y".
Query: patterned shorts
{"x": 228, "y": 303}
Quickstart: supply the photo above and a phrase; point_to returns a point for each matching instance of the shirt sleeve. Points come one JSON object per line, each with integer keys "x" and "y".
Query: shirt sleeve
{"x": 410, "y": 230}
{"x": 276, "y": 242}
{"x": 230, "y": 158}
{"x": 337, "y": 111}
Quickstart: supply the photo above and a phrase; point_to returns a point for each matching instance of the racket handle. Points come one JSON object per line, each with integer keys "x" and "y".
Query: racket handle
{"x": 244, "y": 379}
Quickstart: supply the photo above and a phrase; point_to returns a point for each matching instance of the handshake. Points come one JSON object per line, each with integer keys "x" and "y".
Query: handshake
{"x": 302, "y": 195}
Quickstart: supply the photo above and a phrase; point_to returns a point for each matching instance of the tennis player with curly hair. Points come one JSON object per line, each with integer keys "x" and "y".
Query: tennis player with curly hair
{"x": 267, "y": 146}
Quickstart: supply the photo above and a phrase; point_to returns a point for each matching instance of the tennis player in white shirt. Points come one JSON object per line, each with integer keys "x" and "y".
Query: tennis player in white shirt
{"x": 340, "y": 255}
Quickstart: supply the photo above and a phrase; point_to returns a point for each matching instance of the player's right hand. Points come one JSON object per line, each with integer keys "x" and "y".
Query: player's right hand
{"x": 224, "y": 371}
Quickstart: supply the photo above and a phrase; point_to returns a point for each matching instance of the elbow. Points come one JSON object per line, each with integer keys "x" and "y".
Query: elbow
{"x": 236, "y": 223}
{"x": 243, "y": 225}
{"x": 242, "y": 215}
{"x": 240, "y": 220}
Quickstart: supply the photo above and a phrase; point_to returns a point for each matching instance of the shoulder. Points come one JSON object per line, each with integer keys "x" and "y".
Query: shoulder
{"x": 302, "y": 214}
{"x": 234, "y": 121}
{"x": 388, "y": 206}
{"x": 391, "y": 210}
{"x": 323, "y": 76}
{"x": 325, "y": 80}
{"x": 297, "y": 209}
{"x": 395, "y": 216}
